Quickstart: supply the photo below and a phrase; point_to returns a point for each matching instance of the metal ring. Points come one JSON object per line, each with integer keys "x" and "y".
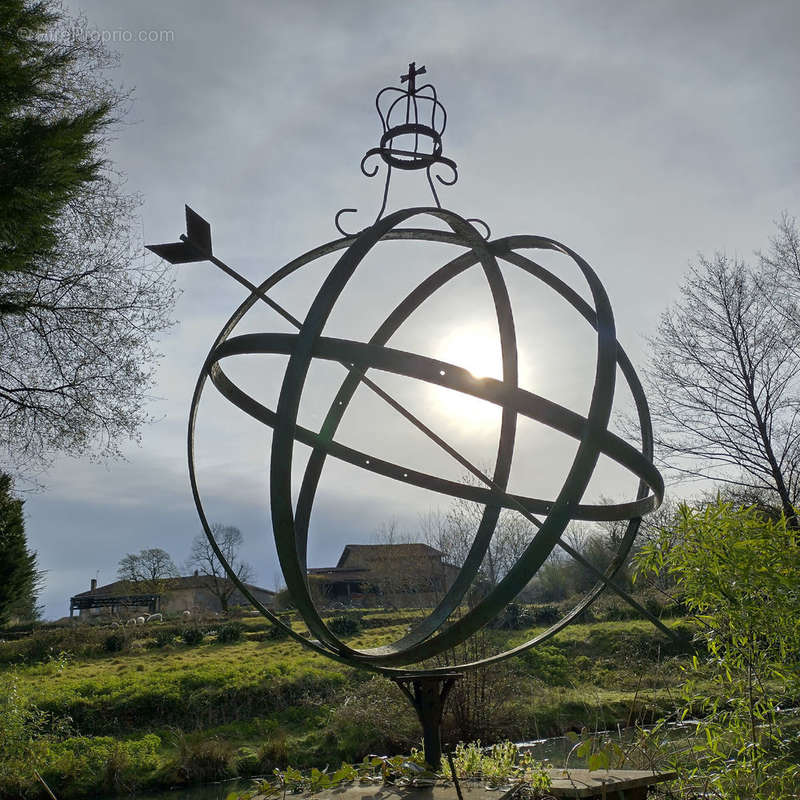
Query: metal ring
{"x": 384, "y": 658}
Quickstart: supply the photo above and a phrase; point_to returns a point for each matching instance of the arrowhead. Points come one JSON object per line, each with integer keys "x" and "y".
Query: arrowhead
{"x": 175, "y": 252}
{"x": 198, "y": 231}
{"x": 195, "y": 245}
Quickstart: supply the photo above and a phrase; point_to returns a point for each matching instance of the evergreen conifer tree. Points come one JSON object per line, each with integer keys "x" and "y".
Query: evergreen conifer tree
{"x": 19, "y": 578}
{"x": 48, "y": 149}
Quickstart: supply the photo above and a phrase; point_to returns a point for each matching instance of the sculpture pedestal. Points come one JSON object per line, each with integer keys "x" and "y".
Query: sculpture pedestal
{"x": 428, "y": 694}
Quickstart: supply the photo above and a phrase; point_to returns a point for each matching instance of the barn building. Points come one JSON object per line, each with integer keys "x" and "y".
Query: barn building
{"x": 371, "y": 575}
{"x": 193, "y": 593}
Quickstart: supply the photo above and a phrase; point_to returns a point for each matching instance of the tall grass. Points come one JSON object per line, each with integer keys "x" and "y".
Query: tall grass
{"x": 161, "y": 712}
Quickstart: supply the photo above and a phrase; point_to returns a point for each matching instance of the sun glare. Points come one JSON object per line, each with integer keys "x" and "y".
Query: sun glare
{"x": 478, "y": 351}
{"x": 475, "y": 350}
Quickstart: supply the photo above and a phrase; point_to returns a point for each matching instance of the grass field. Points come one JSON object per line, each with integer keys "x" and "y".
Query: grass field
{"x": 160, "y": 712}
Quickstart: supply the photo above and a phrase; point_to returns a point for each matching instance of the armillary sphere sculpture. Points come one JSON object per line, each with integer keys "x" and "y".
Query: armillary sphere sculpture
{"x": 413, "y": 122}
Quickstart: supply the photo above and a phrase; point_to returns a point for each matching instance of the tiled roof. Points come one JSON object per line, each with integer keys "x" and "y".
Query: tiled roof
{"x": 408, "y": 550}
{"x": 357, "y": 574}
{"x": 122, "y": 588}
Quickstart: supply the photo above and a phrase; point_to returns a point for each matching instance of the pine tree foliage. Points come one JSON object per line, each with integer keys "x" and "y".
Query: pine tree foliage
{"x": 48, "y": 142}
{"x": 19, "y": 576}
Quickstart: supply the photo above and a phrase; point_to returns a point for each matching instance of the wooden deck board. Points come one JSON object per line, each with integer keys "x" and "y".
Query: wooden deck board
{"x": 584, "y": 783}
{"x": 625, "y": 784}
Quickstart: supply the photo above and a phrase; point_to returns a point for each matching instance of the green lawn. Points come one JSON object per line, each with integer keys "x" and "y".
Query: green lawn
{"x": 179, "y": 713}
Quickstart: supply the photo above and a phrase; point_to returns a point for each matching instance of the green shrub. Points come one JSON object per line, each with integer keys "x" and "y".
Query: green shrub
{"x": 586, "y": 617}
{"x": 582, "y": 663}
{"x": 31, "y": 649}
{"x": 192, "y": 635}
{"x": 345, "y": 625}
{"x": 19, "y": 629}
{"x": 276, "y": 632}
{"x": 516, "y": 617}
{"x": 115, "y": 642}
{"x": 283, "y": 600}
{"x": 547, "y": 664}
{"x": 619, "y": 612}
{"x": 164, "y": 636}
{"x": 543, "y": 614}
{"x": 77, "y": 766}
{"x": 247, "y": 762}
{"x": 513, "y": 617}
{"x": 31, "y": 740}
{"x": 44, "y": 644}
{"x": 230, "y": 632}
{"x": 738, "y": 570}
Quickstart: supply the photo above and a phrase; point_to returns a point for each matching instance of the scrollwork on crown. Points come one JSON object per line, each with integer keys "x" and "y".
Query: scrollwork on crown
{"x": 413, "y": 121}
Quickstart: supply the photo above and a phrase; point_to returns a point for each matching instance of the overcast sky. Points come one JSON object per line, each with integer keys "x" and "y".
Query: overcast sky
{"x": 640, "y": 134}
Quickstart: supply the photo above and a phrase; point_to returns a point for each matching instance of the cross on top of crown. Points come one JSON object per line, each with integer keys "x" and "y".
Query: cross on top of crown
{"x": 411, "y": 77}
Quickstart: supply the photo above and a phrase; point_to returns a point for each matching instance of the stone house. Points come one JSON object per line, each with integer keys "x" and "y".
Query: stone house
{"x": 403, "y": 575}
{"x": 170, "y": 595}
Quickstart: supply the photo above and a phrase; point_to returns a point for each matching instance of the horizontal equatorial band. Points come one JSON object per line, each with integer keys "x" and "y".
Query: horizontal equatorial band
{"x": 366, "y": 356}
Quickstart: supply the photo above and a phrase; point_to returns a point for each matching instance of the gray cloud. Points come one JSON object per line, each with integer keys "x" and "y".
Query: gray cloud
{"x": 639, "y": 134}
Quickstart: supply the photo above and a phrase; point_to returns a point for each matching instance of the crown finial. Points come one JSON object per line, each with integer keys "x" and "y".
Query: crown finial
{"x": 413, "y": 121}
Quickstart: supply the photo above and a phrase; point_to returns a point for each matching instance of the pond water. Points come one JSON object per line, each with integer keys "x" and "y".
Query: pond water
{"x": 561, "y": 751}
{"x": 211, "y": 791}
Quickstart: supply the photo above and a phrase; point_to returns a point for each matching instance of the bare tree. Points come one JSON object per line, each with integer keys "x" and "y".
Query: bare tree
{"x": 149, "y": 569}
{"x": 78, "y": 360}
{"x": 724, "y": 382}
{"x": 390, "y": 533}
{"x": 78, "y": 317}
{"x": 436, "y": 529}
{"x": 203, "y": 558}
{"x": 780, "y": 274}
{"x": 453, "y": 531}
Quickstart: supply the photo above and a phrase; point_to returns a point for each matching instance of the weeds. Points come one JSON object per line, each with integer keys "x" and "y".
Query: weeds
{"x": 203, "y": 761}
{"x": 38, "y": 750}
{"x": 500, "y": 765}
